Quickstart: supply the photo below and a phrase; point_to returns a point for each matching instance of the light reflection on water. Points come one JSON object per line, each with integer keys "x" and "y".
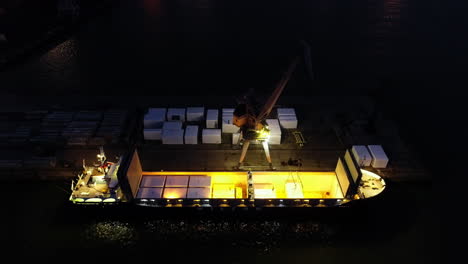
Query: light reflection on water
{"x": 61, "y": 59}
{"x": 115, "y": 233}
{"x": 398, "y": 219}
{"x": 261, "y": 236}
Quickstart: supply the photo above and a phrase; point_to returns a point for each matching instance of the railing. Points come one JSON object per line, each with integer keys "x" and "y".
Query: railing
{"x": 240, "y": 203}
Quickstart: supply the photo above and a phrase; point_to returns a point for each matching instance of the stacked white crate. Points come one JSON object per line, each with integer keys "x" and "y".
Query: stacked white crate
{"x": 275, "y": 131}
{"x": 152, "y": 133}
{"x": 212, "y": 118}
{"x": 191, "y": 135}
{"x": 195, "y": 114}
{"x": 362, "y": 155}
{"x": 173, "y": 137}
{"x": 235, "y": 138}
{"x": 287, "y": 118}
{"x": 154, "y": 118}
{"x": 172, "y": 133}
{"x": 176, "y": 114}
{"x": 379, "y": 158}
{"x": 227, "y": 125}
{"x": 173, "y": 125}
{"x": 211, "y": 136}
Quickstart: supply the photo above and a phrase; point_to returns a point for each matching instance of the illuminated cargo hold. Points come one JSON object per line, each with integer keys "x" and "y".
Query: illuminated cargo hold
{"x": 231, "y": 188}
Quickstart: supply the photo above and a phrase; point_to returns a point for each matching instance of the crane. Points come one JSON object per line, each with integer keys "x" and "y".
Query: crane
{"x": 252, "y": 121}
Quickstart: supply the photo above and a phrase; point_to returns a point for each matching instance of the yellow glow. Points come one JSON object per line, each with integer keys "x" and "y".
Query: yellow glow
{"x": 94, "y": 200}
{"x": 175, "y": 193}
{"x": 267, "y": 184}
{"x": 263, "y": 134}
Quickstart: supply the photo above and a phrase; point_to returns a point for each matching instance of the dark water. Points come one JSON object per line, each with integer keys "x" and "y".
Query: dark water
{"x": 203, "y": 47}
{"x": 41, "y": 223}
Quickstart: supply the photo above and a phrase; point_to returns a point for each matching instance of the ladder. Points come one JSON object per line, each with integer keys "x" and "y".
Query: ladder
{"x": 299, "y": 138}
{"x": 294, "y": 177}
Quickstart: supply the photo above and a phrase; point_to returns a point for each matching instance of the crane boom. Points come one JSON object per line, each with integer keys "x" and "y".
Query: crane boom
{"x": 270, "y": 103}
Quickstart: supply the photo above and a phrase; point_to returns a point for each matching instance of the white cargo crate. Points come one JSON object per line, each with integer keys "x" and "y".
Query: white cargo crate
{"x": 154, "y": 118}
{"x": 274, "y": 139}
{"x": 212, "y": 118}
{"x": 228, "y": 127}
{"x": 273, "y": 125}
{"x": 175, "y": 125}
{"x": 211, "y": 136}
{"x": 379, "y": 158}
{"x": 191, "y": 135}
{"x": 195, "y": 113}
{"x": 286, "y": 112}
{"x": 173, "y": 136}
{"x": 362, "y": 155}
{"x": 288, "y": 122}
{"x": 235, "y": 138}
{"x": 176, "y": 114}
{"x": 152, "y": 134}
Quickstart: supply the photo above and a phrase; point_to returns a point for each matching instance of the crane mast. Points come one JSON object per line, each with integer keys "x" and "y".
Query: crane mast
{"x": 253, "y": 124}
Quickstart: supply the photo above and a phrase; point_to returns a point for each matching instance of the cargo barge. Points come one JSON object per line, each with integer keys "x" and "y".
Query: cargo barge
{"x": 126, "y": 182}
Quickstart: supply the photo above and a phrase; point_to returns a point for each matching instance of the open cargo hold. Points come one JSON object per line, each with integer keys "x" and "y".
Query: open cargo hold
{"x": 339, "y": 184}
{"x": 231, "y": 185}
{"x": 237, "y": 188}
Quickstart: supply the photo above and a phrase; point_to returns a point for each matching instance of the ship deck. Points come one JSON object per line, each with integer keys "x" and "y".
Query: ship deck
{"x": 319, "y": 123}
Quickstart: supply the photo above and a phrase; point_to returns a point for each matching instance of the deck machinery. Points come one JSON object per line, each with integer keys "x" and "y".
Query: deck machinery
{"x": 252, "y": 120}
